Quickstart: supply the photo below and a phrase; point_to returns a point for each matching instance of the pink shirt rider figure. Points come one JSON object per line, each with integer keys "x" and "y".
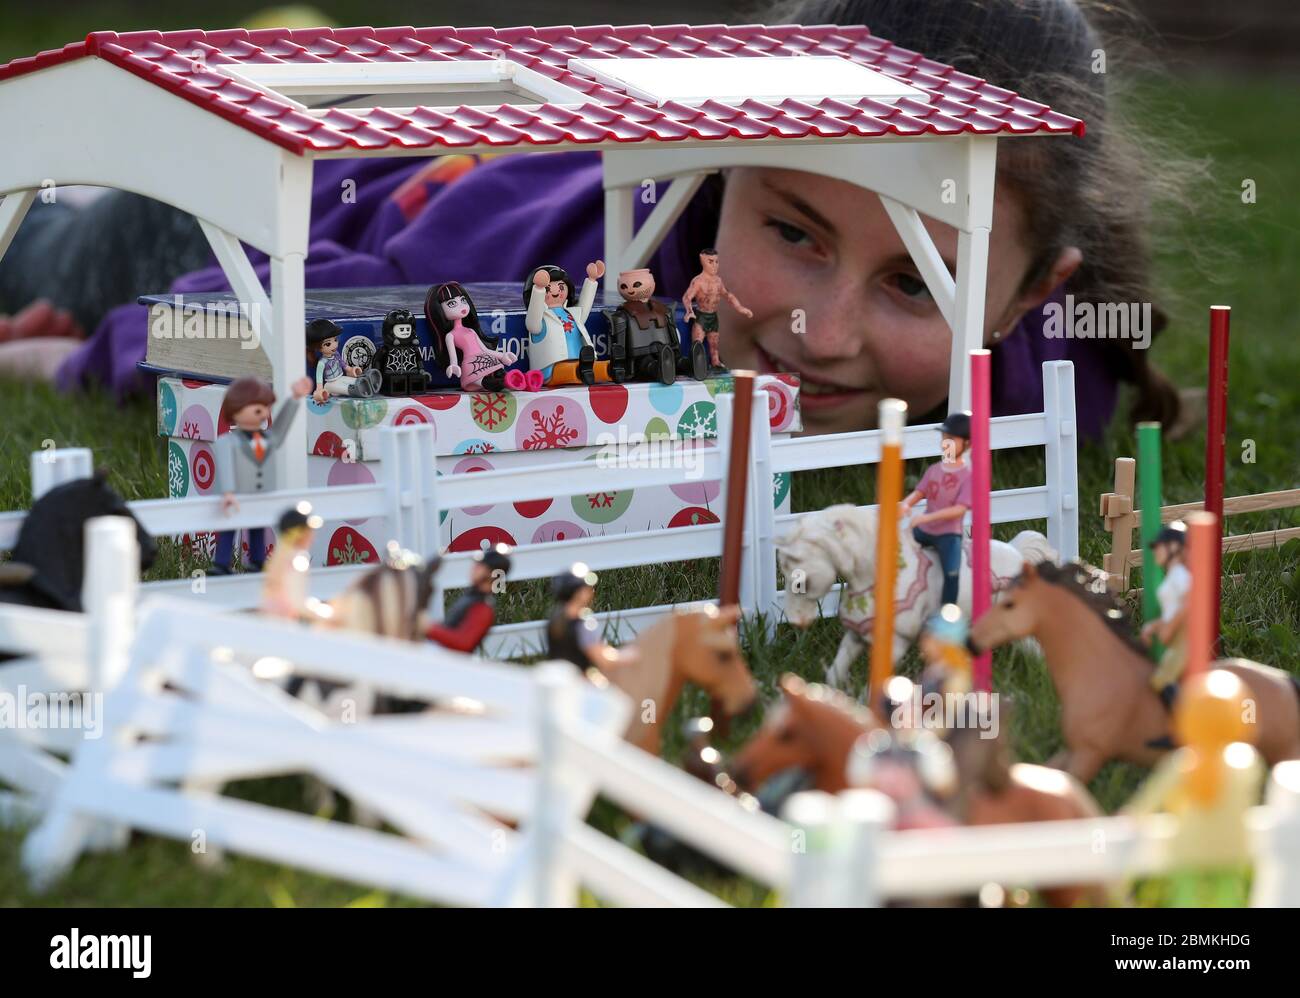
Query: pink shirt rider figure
{"x": 945, "y": 487}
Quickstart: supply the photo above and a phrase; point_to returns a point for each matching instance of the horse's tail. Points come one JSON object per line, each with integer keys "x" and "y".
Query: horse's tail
{"x": 1033, "y": 547}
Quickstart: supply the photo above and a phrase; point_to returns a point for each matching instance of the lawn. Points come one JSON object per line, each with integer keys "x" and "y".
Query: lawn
{"x": 1235, "y": 253}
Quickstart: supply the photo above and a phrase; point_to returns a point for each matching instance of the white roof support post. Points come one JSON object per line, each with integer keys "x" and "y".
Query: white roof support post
{"x": 618, "y": 229}
{"x": 667, "y": 209}
{"x": 13, "y": 209}
{"x": 968, "y": 313}
{"x": 915, "y": 236}
{"x": 248, "y": 289}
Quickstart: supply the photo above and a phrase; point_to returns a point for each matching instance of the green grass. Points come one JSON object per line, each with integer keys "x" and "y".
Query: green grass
{"x": 1243, "y": 255}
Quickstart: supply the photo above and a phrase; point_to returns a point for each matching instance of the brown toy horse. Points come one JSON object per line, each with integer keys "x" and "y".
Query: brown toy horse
{"x": 696, "y": 645}
{"x": 1101, "y": 674}
{"x": 815, "y": 729}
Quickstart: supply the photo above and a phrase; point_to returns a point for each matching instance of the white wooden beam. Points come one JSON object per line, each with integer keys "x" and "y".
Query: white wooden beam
{"x": 653, "y": 230}
{"x": 915, "y": 236}
{"x": 13, "y": 209}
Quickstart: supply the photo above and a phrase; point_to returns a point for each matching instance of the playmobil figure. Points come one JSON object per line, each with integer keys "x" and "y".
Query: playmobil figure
{"x": 1102, "y": 674}
{"x": 840, "y": 542}
{"x": 943, "y": 649}
{"x": 46, "y": 565}
{"x": 646, "y": 331}
{"x": 284, "y": 581}
{"x": 332, "y": 376}
{"x": 558, "y": 343}
{"x": 945, "y": 487}
{"x": 243, "y": 455}
{"x": 474, "y": 613}
{"x": 914, "y": 769}
{"x": 459, "y": 343}
{"x": 1209, "y": 784}
{"x": 1168, "y": 546}
{"x": 703, "y": 295}
{"x": 697, "y": 644}
{"x": 398, "y": 359}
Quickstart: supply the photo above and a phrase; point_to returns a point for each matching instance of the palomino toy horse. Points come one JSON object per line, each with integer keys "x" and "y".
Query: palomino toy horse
{"x": 1101, "y": 674}
{"x": 840, "y": 542}
{"x": 695, "y": 644}
{"x": 815, "y": 728}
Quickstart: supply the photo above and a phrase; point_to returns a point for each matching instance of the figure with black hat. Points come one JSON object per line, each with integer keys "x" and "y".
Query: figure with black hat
{"x": 284, "y": 584}
{"x": 573, "y": 634}
{"x": 1168, "y": 547}
{"x": 474, "y": 613}
{"x": 946, "y": 489}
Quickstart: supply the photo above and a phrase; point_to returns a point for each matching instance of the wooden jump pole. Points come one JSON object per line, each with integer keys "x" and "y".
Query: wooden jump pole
{"x": 733, "y": 524}
{"x": 1202, "y": 547}
{"x": 1149, "y": 501}
{"x": 892, "y": 417}
{"x": 1215, "y": 436}
{"x": 981, "y": 514}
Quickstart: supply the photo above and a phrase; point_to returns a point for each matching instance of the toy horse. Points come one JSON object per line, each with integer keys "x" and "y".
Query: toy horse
{"x": 1108, "y": 709}
{"x": 840, "y": 542}
{"x": 49, "y": 558}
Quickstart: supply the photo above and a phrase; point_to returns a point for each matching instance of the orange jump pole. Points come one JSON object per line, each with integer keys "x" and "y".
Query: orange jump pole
{"x": 1202, "y": 609}
{"x": 892, "y": 417}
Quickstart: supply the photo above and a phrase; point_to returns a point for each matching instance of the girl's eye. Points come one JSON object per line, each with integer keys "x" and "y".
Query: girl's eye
{"x": 911, "y": 286}
{"x": 789, "y": 233}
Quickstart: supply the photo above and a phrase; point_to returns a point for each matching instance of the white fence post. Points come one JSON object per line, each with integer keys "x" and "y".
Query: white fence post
{"x": 1062, "y": 458}
{"x": 1277, "y": 869}
{"x": 760, "y": 532}
{"x": 54, "y": 467}
{"x": 814, "y": 848}
{"x": 866, "y": 815}
{"x": 552, "y": 886}
{"x": 108, "y": 596}
{"x": 410, "y": 473}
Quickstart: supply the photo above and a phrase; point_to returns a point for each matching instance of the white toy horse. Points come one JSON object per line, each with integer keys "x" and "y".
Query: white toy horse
{"x": 840, "y": 542}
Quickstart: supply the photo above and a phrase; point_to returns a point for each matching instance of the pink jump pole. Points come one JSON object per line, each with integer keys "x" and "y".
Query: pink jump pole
{"x": 981, "y": 522}
{"x": 1215, "y": 434}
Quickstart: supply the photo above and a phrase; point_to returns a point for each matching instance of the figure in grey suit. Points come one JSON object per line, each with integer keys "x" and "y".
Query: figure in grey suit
{"x": 244, "y": 454}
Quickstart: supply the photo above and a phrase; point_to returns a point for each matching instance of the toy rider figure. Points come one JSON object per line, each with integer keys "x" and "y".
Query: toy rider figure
{"x": 573, "y": 633}
{"x": 332, "y": 377}
{"x": 945, "y": 653}
{"x": 945, "y": 487}
{"x": 474, "y": 613}
{"x": 1168, "y": 547}
{"x": 707, "y": 290}
{"x": 284, "y": 582}
{"x": 647, "y": 333}
{"x": 398, "y": 359}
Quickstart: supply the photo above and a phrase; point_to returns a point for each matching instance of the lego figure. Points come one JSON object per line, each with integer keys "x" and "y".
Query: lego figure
{"x": 284, "y": 581}
{"x": 1209, "y": 785}
{"x": 243, "y": 455}
{"x": 573, "y": 633}
{"x": 332, "y": 376}
{"x": 474, "y": 613}
{"x": 558, "y": 343}
{"x": 459, "y": 343}
{"x": 398, "y": 360}
{"x": 707, "y": 290}
{"x": 646, "y": 331}
{"x": 944, "y": 651}
{"x": 1168, "y": 547}
{"x": 945, "y": 487}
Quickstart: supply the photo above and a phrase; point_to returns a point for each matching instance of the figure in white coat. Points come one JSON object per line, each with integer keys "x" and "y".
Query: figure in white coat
{"x": 558, "y": 343}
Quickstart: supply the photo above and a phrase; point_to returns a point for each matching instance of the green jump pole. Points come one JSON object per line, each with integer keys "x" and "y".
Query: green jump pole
{"x": 1149, "y": 487}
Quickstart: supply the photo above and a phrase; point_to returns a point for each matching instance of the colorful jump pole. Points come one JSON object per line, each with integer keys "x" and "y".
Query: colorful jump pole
{"x": 1150, "y": 487}
{"x": 981, "y": 515}
{"x": 1202, "y": 619}
{"x": 1215, "y": 435}
{"x": 892, "y": 417}
{"x": 733, "y": 526}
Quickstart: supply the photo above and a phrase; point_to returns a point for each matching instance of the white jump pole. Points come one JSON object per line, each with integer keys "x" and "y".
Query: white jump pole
{"x": 1277, "y": 870}
{"x": 55, "y": 466}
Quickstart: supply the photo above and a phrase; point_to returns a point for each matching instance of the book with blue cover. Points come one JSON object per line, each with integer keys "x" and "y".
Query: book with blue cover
{"x": 210, "y": 335}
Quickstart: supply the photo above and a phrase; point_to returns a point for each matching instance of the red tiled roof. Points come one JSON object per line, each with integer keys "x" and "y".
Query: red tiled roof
{"x": 179, "y": 61}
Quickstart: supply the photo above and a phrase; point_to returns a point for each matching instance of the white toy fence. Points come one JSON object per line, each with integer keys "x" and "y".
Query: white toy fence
{"x": 411, "y": 496}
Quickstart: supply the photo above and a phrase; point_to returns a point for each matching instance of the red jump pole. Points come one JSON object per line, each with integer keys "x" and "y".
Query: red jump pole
{"x": 1215, "y": 436}
{"x": 733, "y": 527}
{"x": 981, "y": 515}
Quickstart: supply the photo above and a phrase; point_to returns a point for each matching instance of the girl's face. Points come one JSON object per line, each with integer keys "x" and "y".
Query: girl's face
{"x": 557, "y": 294}
{"x": 820, "y": 255}
{"x": 952, "y": 448}
{"x": 456, "y": 308}
{"x": 327, "y": 347}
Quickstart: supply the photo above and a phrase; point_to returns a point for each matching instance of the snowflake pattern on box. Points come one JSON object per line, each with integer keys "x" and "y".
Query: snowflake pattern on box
{"x": 550, "y": 431}
{"x": 493, "y": 411}
{"x": 178, "y": 472}
{"x": 698, "y": 422}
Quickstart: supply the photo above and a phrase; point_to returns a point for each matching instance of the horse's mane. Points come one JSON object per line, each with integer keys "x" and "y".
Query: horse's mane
{"x": 1088, "y": 585}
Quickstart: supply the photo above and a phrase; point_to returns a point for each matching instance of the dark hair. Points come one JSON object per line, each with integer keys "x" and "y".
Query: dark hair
{"x": 318, "y": 331}
{"x": 398, "y": 317}
{"x": 555, "y": 274}
{"x": 496, "y": 558}
{"x": 246, "y": 391}
{"x": 1096, "y": 191}
{"x": 709, "y": 252}
{"x": 440, "y": 325}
